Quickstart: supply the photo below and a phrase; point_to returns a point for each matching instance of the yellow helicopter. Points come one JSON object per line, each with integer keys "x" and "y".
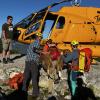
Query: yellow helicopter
{"x": 67, "y": 24}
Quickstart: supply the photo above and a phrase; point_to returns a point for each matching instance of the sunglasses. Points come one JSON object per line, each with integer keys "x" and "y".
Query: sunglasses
{"x": 10, "y": 19}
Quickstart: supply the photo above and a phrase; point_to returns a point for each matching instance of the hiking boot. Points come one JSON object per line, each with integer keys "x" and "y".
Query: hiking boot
{"x": 4, "y": 61}
{"x": 9, "y": 60}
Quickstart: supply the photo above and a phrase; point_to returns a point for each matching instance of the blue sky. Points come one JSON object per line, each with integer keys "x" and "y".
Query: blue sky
{"x": 19, "y": 9}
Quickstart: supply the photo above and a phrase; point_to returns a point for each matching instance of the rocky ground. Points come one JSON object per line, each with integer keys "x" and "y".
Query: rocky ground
{"x": 60, "y": 91}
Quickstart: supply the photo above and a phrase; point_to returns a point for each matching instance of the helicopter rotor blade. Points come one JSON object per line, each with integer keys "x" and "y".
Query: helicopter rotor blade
{"x": 60, "y": 2}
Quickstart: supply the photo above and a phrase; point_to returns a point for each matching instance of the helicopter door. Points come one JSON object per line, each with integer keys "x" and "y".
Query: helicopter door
{"x": 47, "y": 28}
{"x": 57, "y": 31}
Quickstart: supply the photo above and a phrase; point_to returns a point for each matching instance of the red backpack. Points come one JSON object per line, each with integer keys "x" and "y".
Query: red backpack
{"x": 88, "y": 58}
{"x": 54, "y": 53}
{"x": 16, "y": 81}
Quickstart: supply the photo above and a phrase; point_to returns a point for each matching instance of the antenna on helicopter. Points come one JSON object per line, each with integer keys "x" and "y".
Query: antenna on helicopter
{"x": 75, "y": 2}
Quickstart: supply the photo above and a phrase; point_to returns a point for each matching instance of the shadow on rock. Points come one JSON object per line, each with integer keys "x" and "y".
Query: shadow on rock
{"x": 52, "y": 98}
{"x": 82, "y": 92}
{"x": 17, "y": 95}
{"x": 17, "y": 57}
{"x": 2, "y": 95}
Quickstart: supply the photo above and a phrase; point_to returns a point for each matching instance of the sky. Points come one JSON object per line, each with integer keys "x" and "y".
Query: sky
{"x": 20, "y": 9}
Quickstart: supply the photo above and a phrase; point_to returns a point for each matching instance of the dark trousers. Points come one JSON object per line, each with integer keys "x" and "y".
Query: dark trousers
{"x": 31, "y": 72}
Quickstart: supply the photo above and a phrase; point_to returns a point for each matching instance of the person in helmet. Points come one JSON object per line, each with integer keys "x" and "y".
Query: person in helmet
{"x": 31, "y": 65}
{"x": 74, "y": 54}
{"x": 73, "y": 58}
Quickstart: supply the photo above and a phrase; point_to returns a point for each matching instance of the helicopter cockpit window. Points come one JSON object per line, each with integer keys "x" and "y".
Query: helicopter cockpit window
{"x": 60, "y": 23}
{"x": 33, "y": 28}
{"x": 39, "y": 16}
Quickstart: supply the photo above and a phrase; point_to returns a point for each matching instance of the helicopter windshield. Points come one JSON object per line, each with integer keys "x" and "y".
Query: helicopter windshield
{"x": 36, "y": 21}
{"x": 39, "y": 16}
{"x": 47, "y": 26}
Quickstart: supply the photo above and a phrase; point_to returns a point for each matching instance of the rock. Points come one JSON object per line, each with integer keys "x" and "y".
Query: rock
{"x": 61, "y": 89}
{"x": 93, "y": 79}
{"x": 3, "y": 76}
{"x": 6, "y": 71}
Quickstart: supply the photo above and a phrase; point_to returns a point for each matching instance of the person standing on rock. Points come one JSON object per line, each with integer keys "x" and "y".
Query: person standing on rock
{"x": 7, "y": 36}
{"x": 31, "y": 66}
{"x": 74, "y": 59}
